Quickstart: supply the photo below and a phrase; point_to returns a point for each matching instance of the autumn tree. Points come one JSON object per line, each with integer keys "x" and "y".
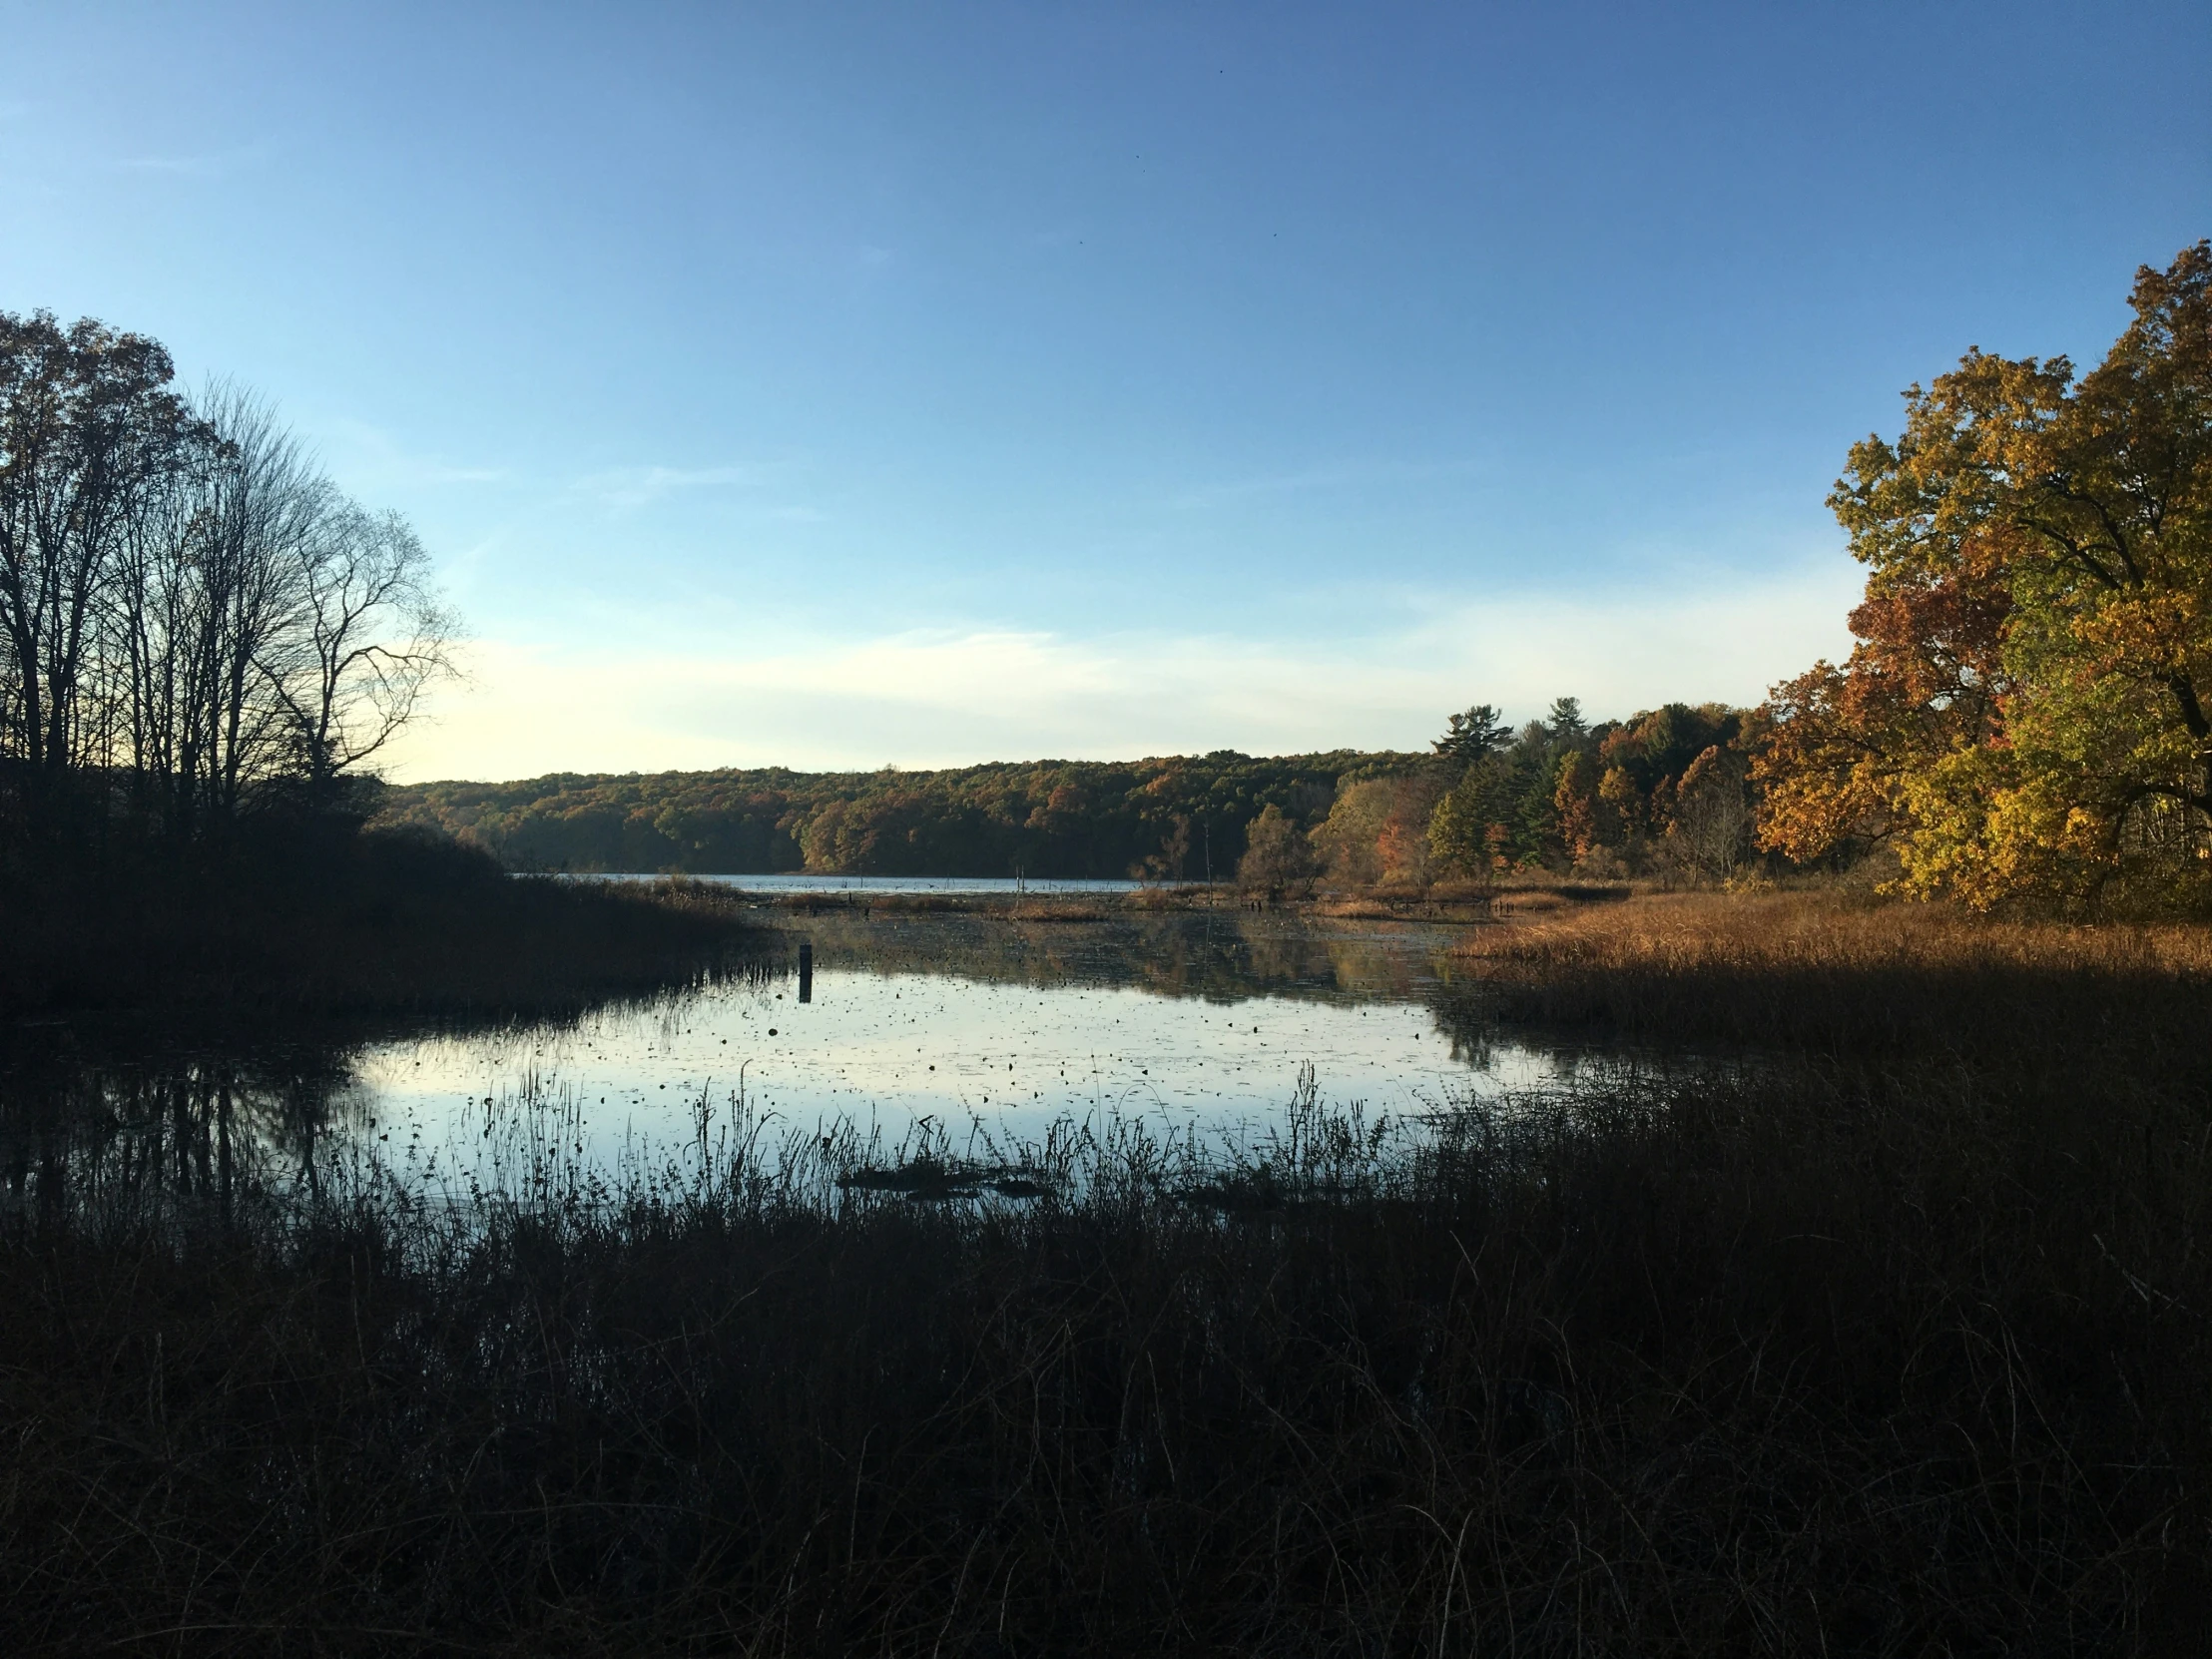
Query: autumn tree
{"x": 2026, "y": 715}
{"x": 1574, "y": 801}
{"x": 1350, "y": 842}
{"x": 1277, "y": 860}
{"x": 1840, "y": 747}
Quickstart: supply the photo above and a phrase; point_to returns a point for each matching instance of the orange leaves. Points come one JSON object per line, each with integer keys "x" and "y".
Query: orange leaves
{"x": 1574, "y": 798}
{"x": 2034, "y": 654}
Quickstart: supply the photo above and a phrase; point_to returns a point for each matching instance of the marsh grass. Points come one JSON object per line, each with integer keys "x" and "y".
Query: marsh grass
{"x": 1865, "y": 982}
{"x": 1896, "y": 1357}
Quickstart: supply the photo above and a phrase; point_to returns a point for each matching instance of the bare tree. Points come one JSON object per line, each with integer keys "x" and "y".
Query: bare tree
{"x": 212, "y": 588}
{"x": 191, "y": 616}
{"x": 269, "y": 512}
{"x": 373, "y": 637}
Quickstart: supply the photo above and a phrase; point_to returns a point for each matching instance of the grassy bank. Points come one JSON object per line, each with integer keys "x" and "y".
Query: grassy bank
{"x": 1884, "y": 1345}
{"x": 1863, "y": 982}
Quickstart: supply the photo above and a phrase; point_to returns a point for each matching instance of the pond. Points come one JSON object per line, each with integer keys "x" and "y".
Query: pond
{"x": 976, "y": 1023}
{"x": 1191, "y": 1019}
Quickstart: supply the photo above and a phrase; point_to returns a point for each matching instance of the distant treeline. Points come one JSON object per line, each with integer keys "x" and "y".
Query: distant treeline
{"x": 1180, "y": 818}
{"x": 1558, "y": 793}
{"x": 1667, "y": 788}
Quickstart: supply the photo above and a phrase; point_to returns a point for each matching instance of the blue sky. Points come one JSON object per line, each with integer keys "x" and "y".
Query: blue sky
{"x": 850, "y": 384}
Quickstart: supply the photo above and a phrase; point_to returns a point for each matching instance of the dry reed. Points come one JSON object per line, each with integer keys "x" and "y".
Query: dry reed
{"x": 1862, "y": 980}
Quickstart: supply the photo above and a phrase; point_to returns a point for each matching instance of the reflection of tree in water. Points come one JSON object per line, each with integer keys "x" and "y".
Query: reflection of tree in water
{"x": 1223, "y": 957}
{"x": 1470, "y": 1029}
{"x": 154, "y": 1123}
{"x": 190, "y": 1128}
{"x": 1468, "y": 1020}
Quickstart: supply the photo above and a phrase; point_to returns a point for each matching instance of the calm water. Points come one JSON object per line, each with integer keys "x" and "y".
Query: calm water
{"x": 965, "y": 1021}
{"x": 889, "y": 886}
{"x": 1187, "y": 1020}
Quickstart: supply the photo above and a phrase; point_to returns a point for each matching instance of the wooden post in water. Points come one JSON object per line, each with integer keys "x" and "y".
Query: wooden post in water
{"x": 805, "y": 970}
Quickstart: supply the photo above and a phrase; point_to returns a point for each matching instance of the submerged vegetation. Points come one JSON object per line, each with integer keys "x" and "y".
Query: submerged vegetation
{"x": 1889, "y": 1341}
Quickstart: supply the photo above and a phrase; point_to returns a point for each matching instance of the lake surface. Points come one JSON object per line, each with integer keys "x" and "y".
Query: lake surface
{"x": 976, "y": 1022}
{"x": 887, "y": 885}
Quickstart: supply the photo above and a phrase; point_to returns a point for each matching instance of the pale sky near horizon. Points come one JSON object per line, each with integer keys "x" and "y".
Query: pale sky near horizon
{"x": 837, "y": 386}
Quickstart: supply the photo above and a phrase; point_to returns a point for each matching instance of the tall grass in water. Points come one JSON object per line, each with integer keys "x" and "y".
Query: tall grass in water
{"x": 1796, "y": 1360}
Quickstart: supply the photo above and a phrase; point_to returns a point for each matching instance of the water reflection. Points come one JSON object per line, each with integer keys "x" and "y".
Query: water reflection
{"x": 140, "y": 1130}
{"x": 890, "y": 1021}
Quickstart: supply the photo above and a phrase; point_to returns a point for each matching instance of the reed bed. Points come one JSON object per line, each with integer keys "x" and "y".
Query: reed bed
{"x": 1793, "y": 1359}
{"x": 1866, "y": 982}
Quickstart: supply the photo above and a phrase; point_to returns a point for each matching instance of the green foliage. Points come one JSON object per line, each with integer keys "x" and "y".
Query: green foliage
{"x": 1473, "y": 735}
{"x": 1277, "y": 860}
{"x": 1560, "y": 791}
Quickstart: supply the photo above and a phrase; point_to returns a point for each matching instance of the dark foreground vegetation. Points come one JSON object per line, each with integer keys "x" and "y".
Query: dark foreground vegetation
{"x": 1890, "y": 1342}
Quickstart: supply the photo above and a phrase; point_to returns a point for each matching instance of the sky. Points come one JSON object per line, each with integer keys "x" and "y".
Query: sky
{"x": 842, "y": 385}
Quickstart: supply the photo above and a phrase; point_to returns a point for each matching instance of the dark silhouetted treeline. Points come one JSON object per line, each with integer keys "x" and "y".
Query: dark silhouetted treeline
{"x": 204, "y": 649}
{"x": 196, "y": 625}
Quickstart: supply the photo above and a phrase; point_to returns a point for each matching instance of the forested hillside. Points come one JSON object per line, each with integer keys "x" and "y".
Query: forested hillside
{"x": 1667, "y": 785}
{"x": 1183, "y": 816}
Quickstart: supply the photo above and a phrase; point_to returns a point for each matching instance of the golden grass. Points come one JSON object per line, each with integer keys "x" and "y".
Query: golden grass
{"x": 1855, "y": 976}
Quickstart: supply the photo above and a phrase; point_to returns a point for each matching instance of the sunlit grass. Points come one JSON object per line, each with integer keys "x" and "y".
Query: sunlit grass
{"x": 1859, "y": 978}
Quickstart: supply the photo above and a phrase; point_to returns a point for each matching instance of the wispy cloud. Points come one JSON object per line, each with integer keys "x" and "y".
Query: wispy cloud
{"x": 370, "y": 459}
{"x": 641, "y": 486}
{"x": 952, "y": 697}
